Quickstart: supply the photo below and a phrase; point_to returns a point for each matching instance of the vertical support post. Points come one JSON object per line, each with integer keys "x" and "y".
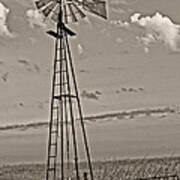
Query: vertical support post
{"x": 66, "y": 128}
{"x": 61, "y": 58}
{"x": 79, "y": 109}
{"x": 61, "y": 103}
{"x": 72, "y": 117}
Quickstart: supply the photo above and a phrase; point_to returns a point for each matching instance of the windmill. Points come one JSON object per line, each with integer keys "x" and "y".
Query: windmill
{"x": 65, "y": 101}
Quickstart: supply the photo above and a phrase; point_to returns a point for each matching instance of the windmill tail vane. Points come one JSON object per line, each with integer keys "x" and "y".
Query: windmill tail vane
{"x": 65, "y": 107}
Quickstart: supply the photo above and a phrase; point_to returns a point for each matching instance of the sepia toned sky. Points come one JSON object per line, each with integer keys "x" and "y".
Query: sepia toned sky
{"x": 137, "y": 48}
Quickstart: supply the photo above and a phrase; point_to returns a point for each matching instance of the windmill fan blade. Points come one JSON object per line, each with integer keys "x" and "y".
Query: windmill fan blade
{"x": 72, "y": 12}
{"x": 42, "y": 3}
{"x": 55, "y": 13}
{"x": 97, "y": 7}
{"x": 71, "y": 9}
{"x": 65, "y": 12}
{"x": 48, "y": 9}
{"x": 79, "y": 11}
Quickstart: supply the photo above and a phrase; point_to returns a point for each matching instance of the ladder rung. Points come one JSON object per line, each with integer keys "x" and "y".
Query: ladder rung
{"x": 60, "y": 48}
{"x": 57, "y": 85}
{"x": 57, "y": 97}
{"x": 55, "y": 107}
{"x": 61, "y": 84}
{"x": 53, "y": 144}
{"x": 53, "y": 132}
{"x": 59, "y": 60}
{"x": 60, "y": 71}
{"x": 68, "y": 95}
{"x": 65, "y": 95}
{"x": 51, "y": 169}
{"x": 52, "y": 156}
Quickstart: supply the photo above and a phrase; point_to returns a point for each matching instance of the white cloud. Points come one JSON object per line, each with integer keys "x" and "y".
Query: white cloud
{"x": 122, "y": 24}
{"x": 35, "y": 18}
{"x": 4, "y": 30}
{"x": 80, "y": 49}
{"x": 135, "y": 17}
{"x": 119, "y": 40}
{"x": 146, "y": 49}
{"x": 147, "y": 40}
{"x": 158, "y": 28}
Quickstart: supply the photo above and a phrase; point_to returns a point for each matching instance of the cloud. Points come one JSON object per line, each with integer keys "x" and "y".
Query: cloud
{"x": 147, "y": 40}
{"x": 122, "y": 24}
{"x": 132, "y": 114}
{"x": 24, "y": 62}
{"x": 35, "y": 18}
{"x": 4, "y": 77}
{"x": 119, "y": 40}
{"x": 80, "y": 49}
{"x": 158, "y": 28}
{"x": 146, "y": 49}
{"x": 91, "y": 95}
{"x": 4, "y": 30}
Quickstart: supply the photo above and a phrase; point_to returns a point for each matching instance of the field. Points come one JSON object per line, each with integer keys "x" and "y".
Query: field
{"x": 108, "y": 170}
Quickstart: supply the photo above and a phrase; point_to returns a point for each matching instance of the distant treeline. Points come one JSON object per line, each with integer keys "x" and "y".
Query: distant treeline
{"x": 132, "y": 113}
{"x": 118, "y": 115}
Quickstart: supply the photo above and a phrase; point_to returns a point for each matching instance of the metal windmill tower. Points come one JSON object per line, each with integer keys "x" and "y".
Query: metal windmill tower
{"x": 65, "y": 101}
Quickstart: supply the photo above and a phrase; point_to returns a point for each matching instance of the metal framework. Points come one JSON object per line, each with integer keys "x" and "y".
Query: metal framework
{"x": 64, "y": 93}
{"x": 65, "y": 101}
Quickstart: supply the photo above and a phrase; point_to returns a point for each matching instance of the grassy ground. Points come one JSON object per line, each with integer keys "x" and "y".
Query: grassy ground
{"x": 115, "y": 170}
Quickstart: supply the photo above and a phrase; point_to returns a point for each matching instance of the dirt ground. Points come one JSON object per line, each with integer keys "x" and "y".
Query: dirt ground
{"x": 116, "y": 169}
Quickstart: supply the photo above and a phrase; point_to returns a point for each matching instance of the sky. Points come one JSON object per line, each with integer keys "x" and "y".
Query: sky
{"x": 132, "y": 58}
